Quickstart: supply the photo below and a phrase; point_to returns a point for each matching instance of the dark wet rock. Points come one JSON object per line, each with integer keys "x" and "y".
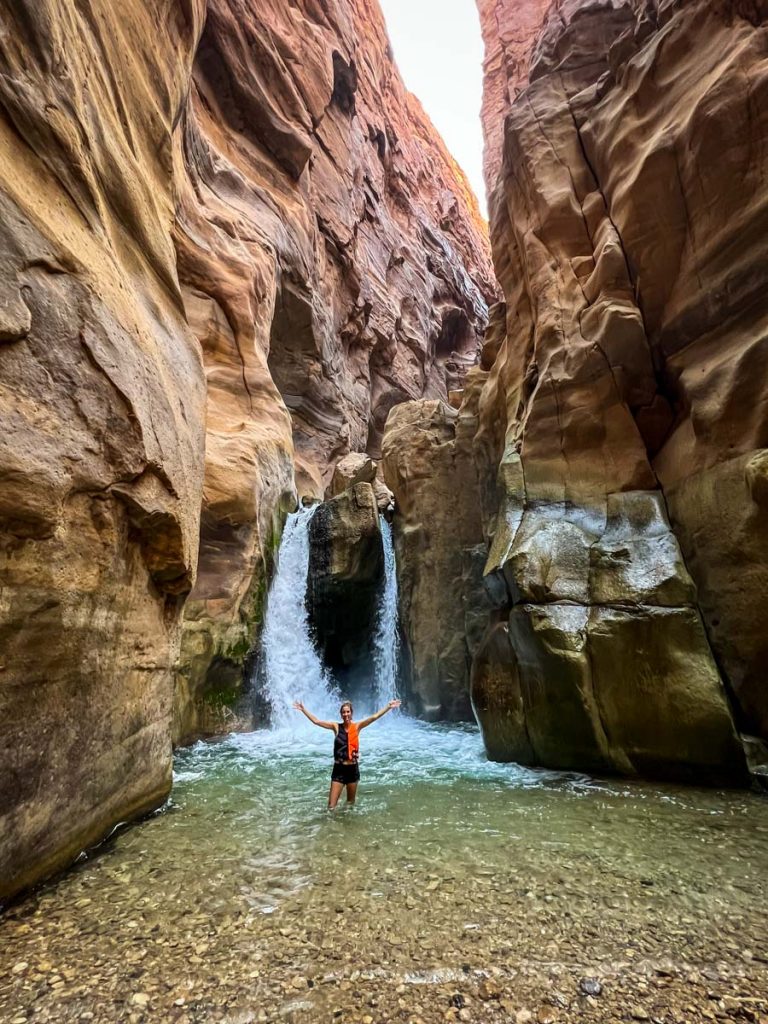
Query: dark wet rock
{"x": 346, "y": 567}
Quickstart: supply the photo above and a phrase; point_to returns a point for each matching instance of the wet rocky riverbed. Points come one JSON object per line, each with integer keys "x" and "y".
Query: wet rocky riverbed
{"x": 456, "y": 890}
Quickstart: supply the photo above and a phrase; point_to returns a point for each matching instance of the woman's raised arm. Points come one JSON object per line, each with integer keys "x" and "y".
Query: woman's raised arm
{"x": 367, "y": 721}
{"x": 315, "y": 721}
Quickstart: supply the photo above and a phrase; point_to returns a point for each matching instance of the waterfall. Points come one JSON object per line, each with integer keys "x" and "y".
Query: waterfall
{"x": 291, "y": 667}
{"x": 386, "y": 644}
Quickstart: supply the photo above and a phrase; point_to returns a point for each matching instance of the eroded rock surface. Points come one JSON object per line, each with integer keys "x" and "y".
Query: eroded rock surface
{"x": 101, "y": 400}
{"x": 346, "y": 221}
{"x": 438, "y": 535}
{"x": 626, "y": 394}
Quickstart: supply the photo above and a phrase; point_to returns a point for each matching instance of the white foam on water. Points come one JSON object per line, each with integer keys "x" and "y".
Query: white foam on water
{"x": 293, "y": 671}
{"x": 292, "y": 668}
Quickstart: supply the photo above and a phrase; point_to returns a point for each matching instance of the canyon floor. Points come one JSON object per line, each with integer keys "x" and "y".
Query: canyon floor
{"x": 456, "y": 890}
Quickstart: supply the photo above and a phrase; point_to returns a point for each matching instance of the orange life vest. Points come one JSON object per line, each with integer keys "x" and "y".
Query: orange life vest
{"x": 353, "y": 742}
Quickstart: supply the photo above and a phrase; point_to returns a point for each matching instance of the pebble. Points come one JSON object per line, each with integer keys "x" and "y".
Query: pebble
{"x": 489, "y": 989}
{"x": 590, "y": 986}
{"x": 217, "y": 958}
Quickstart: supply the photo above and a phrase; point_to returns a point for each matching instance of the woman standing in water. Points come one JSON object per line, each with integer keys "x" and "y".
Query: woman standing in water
{"x": 346, "y": 748}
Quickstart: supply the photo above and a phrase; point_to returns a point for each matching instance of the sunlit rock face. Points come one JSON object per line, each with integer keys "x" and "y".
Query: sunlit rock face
{"x": 101, "y": 400}
{"x": 622, "y": 426}
{"x": 333, "y": 261}
{"x": 229, "y": 235}
{"x": 508, "y": 29}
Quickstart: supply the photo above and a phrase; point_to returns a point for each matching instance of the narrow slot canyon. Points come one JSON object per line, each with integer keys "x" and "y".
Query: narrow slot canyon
{"x": 317, "y": 486}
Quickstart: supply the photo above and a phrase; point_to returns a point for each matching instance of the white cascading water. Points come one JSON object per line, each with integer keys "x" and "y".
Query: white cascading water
{"x": 292, "y": 667}
{"x": 386, "y": 644}
{"x": 290, "y": 664}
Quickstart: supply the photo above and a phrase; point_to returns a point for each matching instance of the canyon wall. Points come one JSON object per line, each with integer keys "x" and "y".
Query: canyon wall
{"x": 229, "y": 235}
{"x": 621, "y": 446}
{"x": 331, "y": 251}
{"x": 102, "y": 397}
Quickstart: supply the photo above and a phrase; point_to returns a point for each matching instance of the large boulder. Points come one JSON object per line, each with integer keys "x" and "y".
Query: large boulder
{"x": 354, "y": 468}
{"x": 346, "y": 572}
{"x": 428, "y": 463}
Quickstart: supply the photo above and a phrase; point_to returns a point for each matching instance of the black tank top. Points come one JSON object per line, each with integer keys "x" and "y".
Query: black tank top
{"x": 341, "y": 746}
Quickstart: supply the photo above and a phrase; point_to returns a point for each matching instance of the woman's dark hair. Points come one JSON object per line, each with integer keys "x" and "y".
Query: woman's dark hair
{"x": 346, "y": 704}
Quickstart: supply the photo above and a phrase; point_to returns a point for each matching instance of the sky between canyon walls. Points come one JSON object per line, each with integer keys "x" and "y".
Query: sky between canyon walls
{"x": 439, "y": 51}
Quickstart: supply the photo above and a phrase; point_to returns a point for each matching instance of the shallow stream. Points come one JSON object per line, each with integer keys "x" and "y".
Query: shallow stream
{"x": 456, "y": 889}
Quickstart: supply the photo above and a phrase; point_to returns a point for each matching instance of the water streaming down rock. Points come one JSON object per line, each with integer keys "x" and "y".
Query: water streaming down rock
{"x": 387, "y": 638}
{"x": 292, "y": 669}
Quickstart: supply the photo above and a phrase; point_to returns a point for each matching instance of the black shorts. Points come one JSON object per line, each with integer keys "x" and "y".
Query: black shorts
{"x": 345, "y": 773}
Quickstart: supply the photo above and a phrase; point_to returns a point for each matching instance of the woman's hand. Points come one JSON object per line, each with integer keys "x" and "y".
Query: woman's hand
{"x": 299, "y": 706}
{"x": 374, "y": 718}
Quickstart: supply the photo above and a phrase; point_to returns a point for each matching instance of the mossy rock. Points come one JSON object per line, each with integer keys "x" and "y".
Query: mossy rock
{"x": 223, "y": 687}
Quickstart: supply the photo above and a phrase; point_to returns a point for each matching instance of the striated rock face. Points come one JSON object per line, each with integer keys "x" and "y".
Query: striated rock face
{"x": 509, "y": 30}
{"x": 345, "y": 221}
{"x": 438, "y": 535}
{"x": 101, "y": 402}
{"x": 622, "y": 424}
{"x": 332, "y": 258}
{"x": 228, "y": 234}
{"x": 346, "y": 571}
